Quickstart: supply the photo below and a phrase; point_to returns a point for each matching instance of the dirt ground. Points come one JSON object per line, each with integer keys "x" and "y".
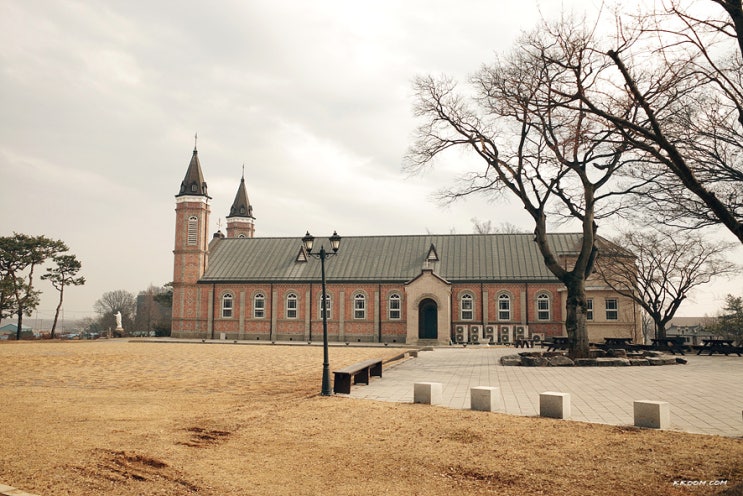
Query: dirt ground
{"x": 121, "y": 418}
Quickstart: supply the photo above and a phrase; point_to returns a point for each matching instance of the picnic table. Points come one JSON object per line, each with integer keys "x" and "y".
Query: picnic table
{"x": 617, "y": 343}
{"x": 557, "y": 343}
{"x": 523, "y": 343}
{"x": 719, "y": 346}
{"x": 673, "y": 344}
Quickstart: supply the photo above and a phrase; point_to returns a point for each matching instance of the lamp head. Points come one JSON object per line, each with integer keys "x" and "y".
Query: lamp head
{"x": 335, "y": 242}
{"x": 308, "y": 241}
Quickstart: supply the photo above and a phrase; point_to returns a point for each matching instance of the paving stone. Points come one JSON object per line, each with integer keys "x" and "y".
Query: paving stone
{"x": 703, "y": 393}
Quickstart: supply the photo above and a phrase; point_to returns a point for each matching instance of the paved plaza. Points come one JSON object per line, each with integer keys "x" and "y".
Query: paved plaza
{"x": 705, "y": 395}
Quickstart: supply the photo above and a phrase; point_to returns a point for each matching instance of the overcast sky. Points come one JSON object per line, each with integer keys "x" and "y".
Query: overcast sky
{"x": 101, "y": 100}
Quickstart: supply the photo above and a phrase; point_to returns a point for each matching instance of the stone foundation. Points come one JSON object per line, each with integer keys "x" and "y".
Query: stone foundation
{"x": 599, "y": 358}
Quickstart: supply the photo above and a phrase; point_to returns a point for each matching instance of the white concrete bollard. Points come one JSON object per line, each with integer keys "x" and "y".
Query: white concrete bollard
{"x": 652, "y": 414}
{"x": 554, "y": 405}
{"x": 484, "y": 398}
{"x": 428, "y": 393}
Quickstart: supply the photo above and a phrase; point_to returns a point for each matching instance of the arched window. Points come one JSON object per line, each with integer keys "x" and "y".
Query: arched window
{"x": 259, "y": 306}
{"x": 291, "y": 306}
{"x": 466, "y": 307}
{"x": 359, "y": 306}
{"x": 227, "y": 301}
{"x": 193, "y": 230}
{"x": 241, "y": 236}
{"x": 328, "y": 305}
{"x": 395, "y": 307}
{"x": 543, "y": 306}
{"x": 504, "y": 307}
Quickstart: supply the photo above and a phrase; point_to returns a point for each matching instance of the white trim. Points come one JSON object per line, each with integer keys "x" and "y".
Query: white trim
{"x": 240, "y": 220}
{"x": 191, "y": 199}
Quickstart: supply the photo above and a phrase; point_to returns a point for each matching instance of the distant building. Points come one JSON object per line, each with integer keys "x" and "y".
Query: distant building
{"x": 9, "y": 331}
{"x": 415, "y": 289}
{"x": 690, "y": 328}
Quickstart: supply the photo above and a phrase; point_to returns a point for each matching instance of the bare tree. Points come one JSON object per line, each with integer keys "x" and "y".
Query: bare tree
{"x": 677, "y": 97}
{"x": 537, "y": 143}
{"x": 658, "y": 269}
{"x": 487, "y": 227}
{"x": 153, "y": 310}
{"x": 116, "y": 301}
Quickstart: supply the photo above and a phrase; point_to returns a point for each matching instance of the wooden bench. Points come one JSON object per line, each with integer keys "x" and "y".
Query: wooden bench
{"x": 360, "y": 372}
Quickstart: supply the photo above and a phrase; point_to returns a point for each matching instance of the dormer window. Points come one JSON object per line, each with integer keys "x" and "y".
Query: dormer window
{"x": 194, "y": 188}
{"x": 432, "y": 256}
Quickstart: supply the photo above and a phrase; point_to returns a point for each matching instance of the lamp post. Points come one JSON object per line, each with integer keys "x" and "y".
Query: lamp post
{"x": 335, "y": 242}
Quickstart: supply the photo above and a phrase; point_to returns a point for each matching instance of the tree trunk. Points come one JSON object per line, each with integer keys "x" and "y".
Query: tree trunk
{"x": 575, "y": 320}
{"x": 20, "y": 324}
{"x": 56, "y": 314}
{"x": 660, "y": 330}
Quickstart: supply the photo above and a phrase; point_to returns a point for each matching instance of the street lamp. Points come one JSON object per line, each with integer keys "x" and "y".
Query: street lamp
{"x": 335, "y": 242}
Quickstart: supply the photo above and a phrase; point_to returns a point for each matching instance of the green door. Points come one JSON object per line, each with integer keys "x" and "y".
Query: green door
{"x": 428, "y": 320}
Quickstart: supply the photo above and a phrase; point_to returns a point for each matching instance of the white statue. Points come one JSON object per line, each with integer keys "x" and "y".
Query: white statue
{"x": 118, "y": 320}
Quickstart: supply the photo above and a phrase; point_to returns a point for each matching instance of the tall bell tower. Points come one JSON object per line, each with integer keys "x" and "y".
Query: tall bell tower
{"x": 191, "y": 252}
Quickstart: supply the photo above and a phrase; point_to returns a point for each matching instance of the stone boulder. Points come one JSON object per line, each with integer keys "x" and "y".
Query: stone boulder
{"x": 617, "y": 353}
{"x": 682, "y": 361}
{"x": 533, "y": 361}
{"x": 661, "y": 360}
{"x": 560, "y": 361}
{"x": 596, "y": 353}
{"x": 510, "y": 360}
{"x": 638, "y": 361}
{"x": 586, "y": 362}
{"x": 612, "y": 362}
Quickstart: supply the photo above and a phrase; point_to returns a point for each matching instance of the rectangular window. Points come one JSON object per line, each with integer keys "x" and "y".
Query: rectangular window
{"x": 395, "y": 307}
{"x": 328, "y": 308}
{"x": 589, "y": 309}
{"x": 504, "y": 308}
{"x": 466, "y": 302}
{"x": 543, "y": 307}
{"x": 259, "y": 307}
{"x": 227, "y": 306}
{"x": 291, "y": 306}
{"x": 359, "y": 307}
{"x": 612, "y": 309}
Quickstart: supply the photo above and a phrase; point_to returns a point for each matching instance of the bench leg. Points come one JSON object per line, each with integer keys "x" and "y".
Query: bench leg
{"x": 342, "y": 384}
{"x": 376, "y": 370}
{"x": 361, "y": 377}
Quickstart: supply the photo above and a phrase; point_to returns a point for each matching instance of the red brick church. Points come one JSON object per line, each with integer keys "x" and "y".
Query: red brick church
{"x": 432, "y": 289}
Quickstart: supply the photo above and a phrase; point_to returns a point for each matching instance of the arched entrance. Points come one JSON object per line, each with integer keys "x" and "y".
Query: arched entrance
{"x": 428, "y": 321}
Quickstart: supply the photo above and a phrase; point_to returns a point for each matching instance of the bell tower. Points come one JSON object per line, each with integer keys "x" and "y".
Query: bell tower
{"x": 191, "y": 252}
{"x": 240, "y": 222}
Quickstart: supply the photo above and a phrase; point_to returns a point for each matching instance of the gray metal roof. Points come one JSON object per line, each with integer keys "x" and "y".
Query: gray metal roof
{"x": 468, "y": 257}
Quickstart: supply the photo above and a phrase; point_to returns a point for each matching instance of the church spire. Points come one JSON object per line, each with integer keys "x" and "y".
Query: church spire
{"x": 240, "y": 220}
{"x": 241, "y": 206}
{"x": 193, "y": 184}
